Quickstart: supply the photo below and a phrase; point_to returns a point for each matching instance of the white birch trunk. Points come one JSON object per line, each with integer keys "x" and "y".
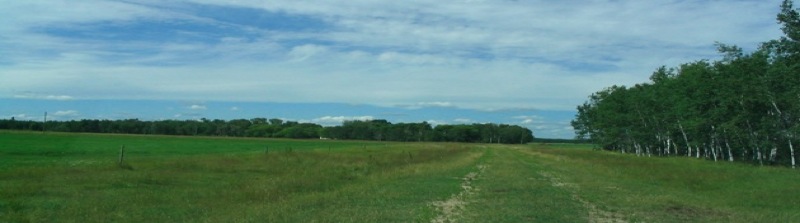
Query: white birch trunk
{"x": 730, "y": 154}
{"x": 758, "y": 154}
{"x": 773, "y": 154}
{"x": 776, "y": 107}
{"x": 689, "y": 153}
{"x": 791, "y": 152}
{"x": 713, "y": 144}
{"x": 754, "y": 137}
{"x": 698, "y": 151}
{"x": 675, "y": 146}
{"x": 728, "y": 145}
{"x": 714, "y": 152}
{"x": 669, "y": 143}
{"x": 637, "y": 148}
{"x": 685, "y": 139}
{"x": 659, "y": 147}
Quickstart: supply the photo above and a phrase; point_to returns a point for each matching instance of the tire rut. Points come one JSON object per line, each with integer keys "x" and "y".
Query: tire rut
{"x": 595, "y": 213}
{"x": 450, "y": 210}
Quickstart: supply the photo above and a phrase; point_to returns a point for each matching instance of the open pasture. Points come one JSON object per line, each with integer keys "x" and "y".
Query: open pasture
{"x": 56, "y": 177}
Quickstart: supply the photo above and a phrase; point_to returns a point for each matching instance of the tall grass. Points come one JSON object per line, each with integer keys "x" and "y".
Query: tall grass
{"x": 237, "y": 181}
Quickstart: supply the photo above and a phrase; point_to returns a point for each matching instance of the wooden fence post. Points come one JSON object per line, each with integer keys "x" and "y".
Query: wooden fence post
{"x": 121, "y": 154}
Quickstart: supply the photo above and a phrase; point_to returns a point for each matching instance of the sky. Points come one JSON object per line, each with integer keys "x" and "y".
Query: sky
{"x": 528, "y": 63}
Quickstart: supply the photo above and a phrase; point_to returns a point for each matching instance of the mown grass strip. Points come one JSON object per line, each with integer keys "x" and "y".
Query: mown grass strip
{"x": 650, "y": 189}
{"x": 511, "y": 189}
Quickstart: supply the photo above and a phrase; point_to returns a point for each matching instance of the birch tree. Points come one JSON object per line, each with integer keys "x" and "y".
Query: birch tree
{"x": 744, "y": 107}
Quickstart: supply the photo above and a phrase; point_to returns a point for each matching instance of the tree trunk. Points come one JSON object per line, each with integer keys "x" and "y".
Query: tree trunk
{"x": 714, "y": 151}
{"x": 698, "y": 151}
{"x": 713, "y": 144}
{"x": 675, "y": 146}
{"x": 754, "y": 138}
{"x": 773, "y": 155}
{"x": 791, "y": 153}
{"x": 669, "y": 143}
{"x": 685, "y": 139}
{"x": 758, "y": 155}
{"x": 728, "y": 145}
{"x": 730, "y": 154}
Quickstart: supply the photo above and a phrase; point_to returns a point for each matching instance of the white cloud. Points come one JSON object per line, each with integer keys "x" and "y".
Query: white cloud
{"x": 32, "y": 95}
{"x": 463, "y": 120}
{"x": 67, "y": 113}
{"x": 542, "y": 126}
{"x": 304, "y": 52}
{"x": 198, "y": 107}
{"x": 529, "y": 120}
{"x": 410, "y": 54}
{"x": 337, "y": 120}
{"x": 193, "y": 116}
{"x": 434, "y": 123}
{"x": 420, "y": 105}
{"x": 234, "y": 108}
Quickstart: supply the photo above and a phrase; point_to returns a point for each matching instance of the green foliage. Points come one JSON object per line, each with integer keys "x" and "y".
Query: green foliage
{"x": 743, "y": 107}
{"x": 378, "y": 130}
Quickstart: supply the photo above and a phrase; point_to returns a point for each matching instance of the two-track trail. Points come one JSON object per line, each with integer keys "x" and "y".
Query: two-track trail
{"x": 450, "y": 210}
{"x": 510, "y": 184}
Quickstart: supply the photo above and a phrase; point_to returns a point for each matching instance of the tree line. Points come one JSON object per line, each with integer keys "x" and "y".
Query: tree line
{"x": 743, "y": 107}
{"x": 411, "y": 132}
{"x": 379, "y": 130}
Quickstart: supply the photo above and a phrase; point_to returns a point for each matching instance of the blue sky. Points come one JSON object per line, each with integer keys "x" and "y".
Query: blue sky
{"x": 517, "y": 62}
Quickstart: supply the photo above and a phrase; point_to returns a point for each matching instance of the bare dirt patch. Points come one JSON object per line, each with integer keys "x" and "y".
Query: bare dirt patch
{"x": 450, "y": 210}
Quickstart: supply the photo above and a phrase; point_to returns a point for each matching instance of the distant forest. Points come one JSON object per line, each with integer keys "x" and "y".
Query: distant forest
{"x": 378, "y": 130}
{"x": 744, "y": 107}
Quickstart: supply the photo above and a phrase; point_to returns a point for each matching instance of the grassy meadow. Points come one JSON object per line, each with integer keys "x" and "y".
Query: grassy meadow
{"x": 58, "y": 177}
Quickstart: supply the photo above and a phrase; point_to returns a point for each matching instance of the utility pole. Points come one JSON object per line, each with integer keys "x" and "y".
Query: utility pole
{"x": 44, "y": 124}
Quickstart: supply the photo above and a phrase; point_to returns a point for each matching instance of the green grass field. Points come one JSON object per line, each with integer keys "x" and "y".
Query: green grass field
{"x": 57, "y": 177}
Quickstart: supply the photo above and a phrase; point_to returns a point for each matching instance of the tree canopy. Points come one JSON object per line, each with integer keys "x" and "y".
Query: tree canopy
{"x": 378, "y": 130}
{"x": 744, "y": 107}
